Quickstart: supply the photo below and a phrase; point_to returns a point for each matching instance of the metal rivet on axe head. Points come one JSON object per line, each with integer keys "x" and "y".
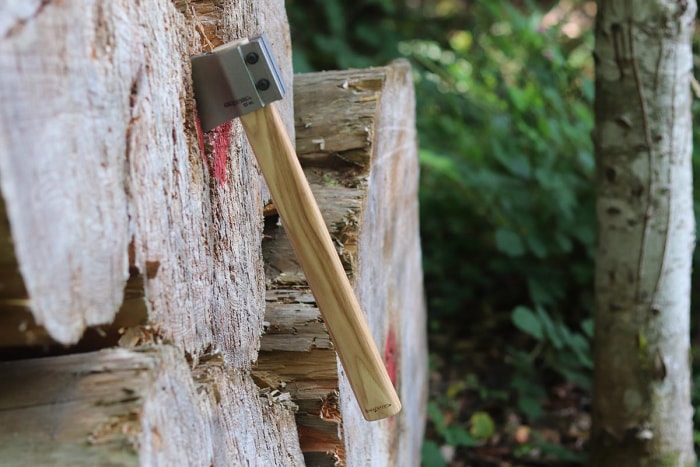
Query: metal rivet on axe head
{"x": 262, "y": 85}
{"x": 252, "y": 58}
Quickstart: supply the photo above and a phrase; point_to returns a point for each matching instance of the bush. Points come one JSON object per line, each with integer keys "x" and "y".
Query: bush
{"x": 507, "y": 195}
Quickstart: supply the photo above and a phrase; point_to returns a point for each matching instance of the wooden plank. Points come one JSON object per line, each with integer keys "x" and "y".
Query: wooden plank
{"x": 389, "y": 280}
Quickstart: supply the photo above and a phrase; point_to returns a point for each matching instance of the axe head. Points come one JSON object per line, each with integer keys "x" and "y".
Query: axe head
{"x": 235, "y": 79}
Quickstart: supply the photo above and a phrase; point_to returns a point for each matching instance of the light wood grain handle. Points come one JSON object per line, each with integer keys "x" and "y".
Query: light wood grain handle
{"x": 324, "y": 272}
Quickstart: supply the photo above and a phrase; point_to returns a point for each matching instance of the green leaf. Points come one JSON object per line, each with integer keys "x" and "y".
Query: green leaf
{"x": 587, "y": 326}
{"x": 525, "y": 320}
{"x": 560, "y": 452}
{"x": 531, "y": 407}
{"x": 435, "y": 414}
{"x": 458, "y": 436}
{"x": 550, "y": 328}
{"x": 537, "y": 246}
{"x": 482, "y": 426}
{"x": 431, "y": 456}
{"x": 582, "y": 349}
{"x": 509, "y": 242}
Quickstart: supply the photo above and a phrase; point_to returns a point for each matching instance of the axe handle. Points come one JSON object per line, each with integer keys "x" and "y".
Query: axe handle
{"x": 319, "y": 260}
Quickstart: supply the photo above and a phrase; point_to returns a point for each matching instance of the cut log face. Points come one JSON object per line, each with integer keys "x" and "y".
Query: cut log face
{"x": 356, "y": 140}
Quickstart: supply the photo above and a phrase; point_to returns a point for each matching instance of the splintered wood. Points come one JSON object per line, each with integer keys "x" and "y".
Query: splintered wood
{"x": 100, "y": 158}
{"x": 356, "y": 141}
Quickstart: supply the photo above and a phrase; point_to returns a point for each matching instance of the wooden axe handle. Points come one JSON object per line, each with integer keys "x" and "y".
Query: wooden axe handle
{"x": 324, "y": 272}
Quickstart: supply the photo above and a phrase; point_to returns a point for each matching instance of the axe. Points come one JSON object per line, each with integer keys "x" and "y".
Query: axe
{"x": 241, "y": 79}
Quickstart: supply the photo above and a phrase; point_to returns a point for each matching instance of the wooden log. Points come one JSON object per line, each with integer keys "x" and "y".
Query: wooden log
{"x": 356, "y": 139}
{"x": 101, "y": 155}
{"x": 144, "y": 407}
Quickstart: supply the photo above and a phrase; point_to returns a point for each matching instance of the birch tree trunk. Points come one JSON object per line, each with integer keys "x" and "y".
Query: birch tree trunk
{"x": 646, "y": 231}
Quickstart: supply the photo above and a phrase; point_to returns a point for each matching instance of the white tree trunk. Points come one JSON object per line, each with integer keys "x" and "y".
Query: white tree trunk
{"x": 643, "y": 137}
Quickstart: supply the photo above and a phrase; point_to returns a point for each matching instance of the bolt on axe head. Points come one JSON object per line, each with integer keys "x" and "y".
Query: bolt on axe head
{"x": 235, "y": 79}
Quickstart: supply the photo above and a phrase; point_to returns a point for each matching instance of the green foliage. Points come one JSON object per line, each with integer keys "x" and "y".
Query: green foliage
{"x": 482, "y": 425}
{"x": 431, "y": 455}
{"x": 332, "y": 34}
{"x": 558, "y": 348}
{"x": 504, "y": 115}
{"x": 507, "y": 201}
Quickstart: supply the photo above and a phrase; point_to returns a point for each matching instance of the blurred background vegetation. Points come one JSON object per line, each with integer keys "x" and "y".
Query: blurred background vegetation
{"x": 504, "y": 112}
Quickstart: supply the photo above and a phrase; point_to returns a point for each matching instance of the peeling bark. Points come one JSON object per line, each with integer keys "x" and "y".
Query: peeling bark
{"x": 646, "y": 234}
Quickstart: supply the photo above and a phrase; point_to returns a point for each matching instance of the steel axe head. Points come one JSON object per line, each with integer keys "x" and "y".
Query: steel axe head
{"x": 235, "y": 79}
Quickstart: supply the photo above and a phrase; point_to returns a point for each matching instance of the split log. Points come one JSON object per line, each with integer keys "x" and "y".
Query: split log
{"x": 356, "y": 140}
{"x": 125, "y": 407}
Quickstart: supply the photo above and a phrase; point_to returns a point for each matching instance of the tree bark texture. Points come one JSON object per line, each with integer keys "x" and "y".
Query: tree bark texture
{"x": 646, "y": 232}
{"x": 356, "y": 140}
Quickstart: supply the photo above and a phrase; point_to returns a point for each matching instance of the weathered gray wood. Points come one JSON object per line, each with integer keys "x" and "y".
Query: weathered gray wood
{"x": 356, "y": 139}
{"x": 123, "y": 407}
{"x": 101, "y": 154}
{"x": 115, "y": 198}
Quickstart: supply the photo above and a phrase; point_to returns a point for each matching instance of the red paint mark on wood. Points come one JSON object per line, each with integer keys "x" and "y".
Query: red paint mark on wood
{"x": 391, "y": 356}
{"x": 220, "y": 140}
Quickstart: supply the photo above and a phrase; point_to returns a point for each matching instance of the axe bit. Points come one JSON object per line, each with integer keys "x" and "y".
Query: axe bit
{"x": 241, "y": 79}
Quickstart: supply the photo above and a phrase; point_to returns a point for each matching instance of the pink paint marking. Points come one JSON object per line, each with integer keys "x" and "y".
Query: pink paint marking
{"x": 391, "y": 357}
{"x": 220, "y": 140}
